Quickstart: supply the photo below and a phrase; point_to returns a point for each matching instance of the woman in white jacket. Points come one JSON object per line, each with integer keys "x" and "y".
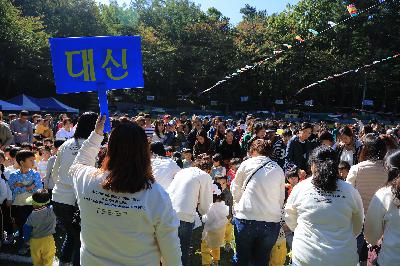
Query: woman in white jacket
{"x": 64, "y": 199}
{"x": 383, "y": 216}
{"x": 258, "y": 192}
{"x": 326, "y": 215}
{"x": 126, "y": 217}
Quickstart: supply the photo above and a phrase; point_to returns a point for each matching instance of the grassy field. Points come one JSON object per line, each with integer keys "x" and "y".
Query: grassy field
{"x": 195, "y": 257}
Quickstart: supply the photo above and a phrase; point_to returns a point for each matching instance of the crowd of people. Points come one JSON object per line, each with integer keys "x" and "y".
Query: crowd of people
{"x": 272, "y": 191}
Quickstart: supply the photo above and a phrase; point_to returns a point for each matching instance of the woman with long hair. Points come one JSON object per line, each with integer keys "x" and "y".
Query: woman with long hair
{"x": 126, "y": 217}
{"x": 383, "y": 216}
{"x": 390, "y": 141}
{"x": 159, "y": 128}
{"x": 203, "y": 144}
{"x": 220, "y": 133}
{"x": 64, "y": 199}
{"x": 367, "y": 177}
{"x": 349, "y": 147}
{"x": 325, "y": 213}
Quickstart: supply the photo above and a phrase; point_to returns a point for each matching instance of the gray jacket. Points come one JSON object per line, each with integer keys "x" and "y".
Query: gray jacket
{"x": 6, "y": 137}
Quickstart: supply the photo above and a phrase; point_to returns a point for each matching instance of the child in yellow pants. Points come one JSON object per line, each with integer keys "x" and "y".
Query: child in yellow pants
{"x": 209, "y": 255}
{"x": 39, "y": 229}
{"x": 279, "y": 251}
{"x": 43, "y": 250}
{"x": 214, "y": 228}
{"x": 228, "y": 236}
{"x": 278, "y": 254}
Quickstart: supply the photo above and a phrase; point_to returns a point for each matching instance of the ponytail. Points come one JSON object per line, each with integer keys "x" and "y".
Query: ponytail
{"x": 396, "y": 190}
{"x": 326, "y": 168}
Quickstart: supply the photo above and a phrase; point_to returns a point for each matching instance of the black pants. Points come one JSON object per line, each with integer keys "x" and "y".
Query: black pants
{"x": 68, "y": 216}
{"x": 20, "y": 214}
{"x": 7, "y": 222}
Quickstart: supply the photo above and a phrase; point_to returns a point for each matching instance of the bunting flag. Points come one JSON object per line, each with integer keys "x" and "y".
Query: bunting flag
{"x": 332, "y": 24}
{"x": 352, "y": 10}
{"x": 349, "y": 72}
{"x": 314, "y": 32}
{"x": 353, "y": 13}
{"x": 298, "y": 38}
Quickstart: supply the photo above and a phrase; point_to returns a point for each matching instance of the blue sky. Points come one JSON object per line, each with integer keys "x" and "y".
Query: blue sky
{"x": 231, "y": 8}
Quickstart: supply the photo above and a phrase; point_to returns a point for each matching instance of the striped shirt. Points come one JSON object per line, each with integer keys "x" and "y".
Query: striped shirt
{"x": 149, "y": 131}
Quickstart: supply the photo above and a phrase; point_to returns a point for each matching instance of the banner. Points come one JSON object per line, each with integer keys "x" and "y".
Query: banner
{"x": 351, "y": 71}
{"x": 368, "y": 103}
{"x": 84, "y": 64}
{"x": 309, "y": 103}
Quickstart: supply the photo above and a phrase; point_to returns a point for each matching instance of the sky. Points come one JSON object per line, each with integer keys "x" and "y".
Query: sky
{"x": 231, "y": 8}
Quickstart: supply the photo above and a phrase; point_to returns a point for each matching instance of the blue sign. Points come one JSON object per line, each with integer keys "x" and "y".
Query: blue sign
{"x": 85, "y": 64}
{"x": 80, "y": 64}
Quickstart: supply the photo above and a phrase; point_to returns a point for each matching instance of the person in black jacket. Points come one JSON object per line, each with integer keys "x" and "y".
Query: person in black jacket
{"x": 203, "y": 144}
{"x": 299, "y": 148}
{"x": 191, "y": 138}
{"x": 229, "y": 147}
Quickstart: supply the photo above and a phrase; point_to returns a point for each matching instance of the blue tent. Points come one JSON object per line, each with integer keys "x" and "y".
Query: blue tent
{"x": 66, "y": 107}
{"x": 25, "y": 103}
{"x": 41, "y": 104}
{"x": 52, "y": 105}
{"x": 6, "y": 106}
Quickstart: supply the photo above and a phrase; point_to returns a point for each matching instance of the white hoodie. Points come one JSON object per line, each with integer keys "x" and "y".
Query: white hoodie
{"x": 191, "y": 188}
{"x": 63, "y": 191}
{"x": 325, "y": 224}
{"x": 63, "y": 134}
{"x": 262, "y": 199}
{"x": 4, "y": 191}
{"x": 383, "y": 220}
{"x": 122, "y": 228}
{"x": 214, "y": 224}
{"x": 164, "y": 170}
{"x": 216, "y": 216}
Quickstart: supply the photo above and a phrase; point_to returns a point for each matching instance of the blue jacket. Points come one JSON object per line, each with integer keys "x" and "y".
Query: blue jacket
{"x": 28, "y": 179}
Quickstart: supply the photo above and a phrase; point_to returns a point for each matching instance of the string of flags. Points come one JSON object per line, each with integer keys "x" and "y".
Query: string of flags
{"x": 353, "y": 11}
{"x": 348, "y": 72}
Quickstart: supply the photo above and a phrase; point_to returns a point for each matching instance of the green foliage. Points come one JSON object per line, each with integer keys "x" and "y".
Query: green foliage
{"x": 23, "y": 46}
{"x": 187, "y": 50}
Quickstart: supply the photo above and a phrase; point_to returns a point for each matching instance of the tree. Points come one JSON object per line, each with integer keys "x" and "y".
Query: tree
{"x": 186, "y": 50}
{"x": 66, "y": 18}
{"x": 24, "y": 64}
